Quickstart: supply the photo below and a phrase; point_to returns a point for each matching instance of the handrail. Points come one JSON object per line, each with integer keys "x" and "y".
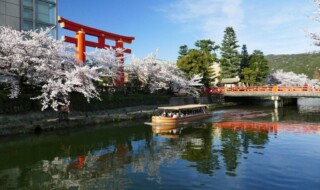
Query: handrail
{"x": 273, "y": 89}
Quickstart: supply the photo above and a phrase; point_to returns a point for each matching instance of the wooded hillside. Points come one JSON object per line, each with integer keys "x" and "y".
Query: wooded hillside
{"x": 308, "y": 64}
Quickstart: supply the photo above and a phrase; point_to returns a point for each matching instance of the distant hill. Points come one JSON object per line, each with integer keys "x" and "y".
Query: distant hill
{"x": 308, "y": 64}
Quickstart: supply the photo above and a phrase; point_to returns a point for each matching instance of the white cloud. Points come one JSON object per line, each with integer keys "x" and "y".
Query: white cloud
{"x": 279, "y": 30}
{"x": 270, "y": 26}
{"x": 209, "y": 17}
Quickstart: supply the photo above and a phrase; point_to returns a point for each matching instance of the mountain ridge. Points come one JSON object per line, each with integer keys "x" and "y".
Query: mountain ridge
{"x": 307, "y": 63}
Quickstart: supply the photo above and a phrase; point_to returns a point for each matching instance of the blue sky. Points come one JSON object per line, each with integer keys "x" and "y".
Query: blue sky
{"x": 272, "y": 26}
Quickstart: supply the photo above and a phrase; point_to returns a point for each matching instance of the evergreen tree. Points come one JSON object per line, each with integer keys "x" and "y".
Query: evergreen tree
{"x": 249, "y": 76}
{"x": 199, "y": 61}
{"x": 230, "y": 58}
{"x": 258, "y": 69}
{"x": 207, "y": 46}
{"x": 183, "y": 51}
{"x": 244, "y": 59}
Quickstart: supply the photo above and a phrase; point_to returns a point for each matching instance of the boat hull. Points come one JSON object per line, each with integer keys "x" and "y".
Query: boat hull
{"x": 161, "y": 120}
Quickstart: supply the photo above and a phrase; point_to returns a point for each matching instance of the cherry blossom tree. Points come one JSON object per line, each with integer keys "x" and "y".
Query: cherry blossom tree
{"x": 316, "y": 17}
{"x": 34, "y": 58}
{"x": 155, "y": 74}
{"x": 106, "y": 60}
{"x": 282, "y": 78}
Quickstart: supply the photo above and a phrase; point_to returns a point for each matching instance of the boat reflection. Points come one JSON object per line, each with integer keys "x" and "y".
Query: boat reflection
{"x": 168, "y": 131}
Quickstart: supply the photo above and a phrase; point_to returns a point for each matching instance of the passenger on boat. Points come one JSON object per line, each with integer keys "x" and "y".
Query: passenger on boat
{"x": 176, "y": 115}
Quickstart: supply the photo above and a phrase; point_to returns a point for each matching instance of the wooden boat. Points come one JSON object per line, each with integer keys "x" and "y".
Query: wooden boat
{"x": 173, "y": 115}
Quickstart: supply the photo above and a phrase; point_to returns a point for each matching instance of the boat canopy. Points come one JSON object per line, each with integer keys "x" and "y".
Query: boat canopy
{"x": 183, "y": 107}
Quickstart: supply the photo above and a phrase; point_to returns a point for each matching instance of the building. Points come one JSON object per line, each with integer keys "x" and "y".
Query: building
{"x": 215, "y": 78}
{"x": 29, "y": 14}
{"x": 230, "y": 82}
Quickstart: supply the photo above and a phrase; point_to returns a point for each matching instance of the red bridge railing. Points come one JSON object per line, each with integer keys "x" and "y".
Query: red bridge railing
{"x": 270, "y": 127}
{"x": 270, "y": 89}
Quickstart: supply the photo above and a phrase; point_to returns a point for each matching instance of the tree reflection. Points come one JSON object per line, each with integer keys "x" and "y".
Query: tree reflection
{"x": 108, "y": 159}
{"x": 199, "y": 150}
{"x": 230, "y": 143}
{"x": 234, "y": 142}
{"x": 107, "y": 163}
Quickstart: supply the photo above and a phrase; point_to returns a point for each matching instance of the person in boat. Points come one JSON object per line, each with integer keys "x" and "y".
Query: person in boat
{"x": 175, "y": 115}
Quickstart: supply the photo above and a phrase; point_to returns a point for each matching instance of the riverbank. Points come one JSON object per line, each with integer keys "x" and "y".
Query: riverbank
{"x": 37, "y": 122}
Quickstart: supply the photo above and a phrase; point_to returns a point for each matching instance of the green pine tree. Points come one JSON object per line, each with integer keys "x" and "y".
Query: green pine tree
{"x": 183, "y": 51}
{"x": 207, "y": 46}
{"x": 244, "y": 59}
{"x": 230, "y": 58}
{"x": 258, "y": 67}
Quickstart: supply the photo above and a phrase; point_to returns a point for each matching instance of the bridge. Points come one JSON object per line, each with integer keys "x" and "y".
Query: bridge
{"x": 275, "y": 92}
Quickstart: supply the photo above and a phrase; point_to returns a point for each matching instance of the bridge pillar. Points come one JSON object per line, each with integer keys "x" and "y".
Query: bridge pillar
{"x": 277, "y": 101}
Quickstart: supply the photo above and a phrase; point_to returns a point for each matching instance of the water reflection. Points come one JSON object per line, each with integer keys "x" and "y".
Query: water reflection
{"x": 138, "y": 156}
{"x": 168, "y": 131}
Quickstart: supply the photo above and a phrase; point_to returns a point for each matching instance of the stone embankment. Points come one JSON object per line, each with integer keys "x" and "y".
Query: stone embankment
{"x": 48, "y": 121}
{"x": 36, "y": 122}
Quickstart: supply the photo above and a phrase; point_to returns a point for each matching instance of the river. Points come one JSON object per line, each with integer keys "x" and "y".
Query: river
{"x": 240, "y": 147}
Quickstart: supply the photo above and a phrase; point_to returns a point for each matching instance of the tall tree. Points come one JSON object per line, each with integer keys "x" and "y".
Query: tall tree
{"x": 183, "y": 51}
{"x": 249, "y": 76}
{"x": 244, "y": 59}
{"x": 230, "y": 58}
{"x": 258, "y": 69}
{"x": 200, "y": 61}
{"x": 207, "y": 46}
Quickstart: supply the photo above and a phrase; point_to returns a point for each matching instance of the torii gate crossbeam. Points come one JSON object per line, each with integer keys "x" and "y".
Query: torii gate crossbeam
{"x": 81, "y": 43}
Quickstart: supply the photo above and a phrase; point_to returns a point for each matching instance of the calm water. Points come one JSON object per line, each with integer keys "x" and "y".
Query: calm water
{"x": 238, "y": 148}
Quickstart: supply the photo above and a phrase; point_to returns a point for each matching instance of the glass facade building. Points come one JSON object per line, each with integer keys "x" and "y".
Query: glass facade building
{"x": 29, "y": 14}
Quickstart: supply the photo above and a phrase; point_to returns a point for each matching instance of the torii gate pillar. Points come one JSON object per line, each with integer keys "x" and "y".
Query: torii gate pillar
{"x": 120, "y": 73}
{"x": 81, "y": 48}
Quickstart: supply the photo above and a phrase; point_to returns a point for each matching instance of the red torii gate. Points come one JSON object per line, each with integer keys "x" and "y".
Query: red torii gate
{"x": 81, "y": 42}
